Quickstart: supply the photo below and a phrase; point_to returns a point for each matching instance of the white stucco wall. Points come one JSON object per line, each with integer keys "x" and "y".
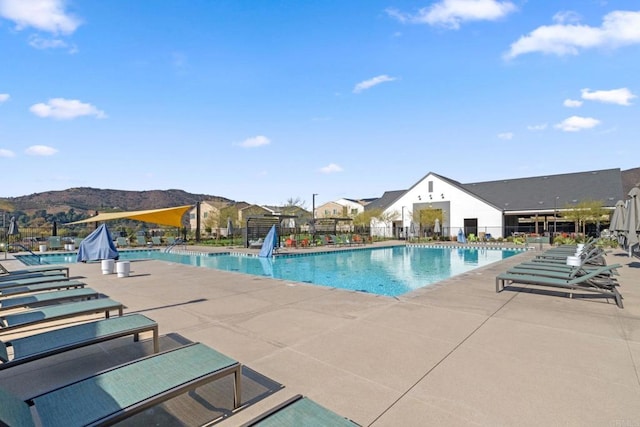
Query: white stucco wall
{"x": 351, "y": 205}
{"x": 462, "y": 205}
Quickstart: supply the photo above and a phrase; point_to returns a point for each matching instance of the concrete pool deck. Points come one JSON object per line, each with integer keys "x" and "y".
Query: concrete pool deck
{"x": 454, "y": 353}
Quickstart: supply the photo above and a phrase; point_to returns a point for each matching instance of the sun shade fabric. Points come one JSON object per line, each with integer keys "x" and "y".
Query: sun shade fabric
{"x": 270, "y": 242}
{"x": 97, "y": 246}
{"x": 165, "y": 216}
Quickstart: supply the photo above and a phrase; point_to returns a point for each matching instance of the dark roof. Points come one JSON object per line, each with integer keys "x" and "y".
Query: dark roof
{"x": 630, "y": 179}
{"x": 361, "y": 201}
{"x": 550, "y": 191}
{"x": 386, "y": 200}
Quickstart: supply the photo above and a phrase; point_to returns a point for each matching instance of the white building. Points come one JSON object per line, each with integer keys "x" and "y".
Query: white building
{"x": 495, "y": 208}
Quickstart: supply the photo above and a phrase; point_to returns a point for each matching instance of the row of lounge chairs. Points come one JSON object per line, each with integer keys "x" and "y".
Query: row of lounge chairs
{"x": 586, "y": 271}
{"x": 110, "y": 396}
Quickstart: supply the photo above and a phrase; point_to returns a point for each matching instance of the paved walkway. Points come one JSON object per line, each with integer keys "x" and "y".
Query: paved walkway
{"x": 456, "y": 353}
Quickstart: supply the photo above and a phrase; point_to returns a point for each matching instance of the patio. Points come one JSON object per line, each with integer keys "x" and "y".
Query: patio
{"x": 456, "y": 353}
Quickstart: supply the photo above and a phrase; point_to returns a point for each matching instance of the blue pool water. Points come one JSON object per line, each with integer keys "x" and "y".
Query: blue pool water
{"x": 388, "y": 271}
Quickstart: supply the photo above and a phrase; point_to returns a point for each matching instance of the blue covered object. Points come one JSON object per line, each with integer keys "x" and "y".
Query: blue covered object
{"x": 270, "y": 242}
{"x": 461, "y": 237}
{"x": 97, "y": 246}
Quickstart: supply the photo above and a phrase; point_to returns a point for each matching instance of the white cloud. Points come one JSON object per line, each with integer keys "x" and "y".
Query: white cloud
{"x": 6, "y": 153}
{"x": 66, "y": 109}
{"x": 618, "y": 28}
{"x": 621, "y": 96}
{"x": 40, "y": 150}
{"x": 572, "y": 103}
{"x": 451, "y": 13}
{"x": 331, "y": 168}
{"x": 577, "y": 123}
{"x": 38, "y": 42}
{"x": 566, "y": 17}
{"x": 368, "y": 84}
{"x": 255, "y": 141}
{"x": 43, "y": 15}
{"x": 4, "y": 97}
{"x": 506, "y": 135}
{"x": 536, "y": 128}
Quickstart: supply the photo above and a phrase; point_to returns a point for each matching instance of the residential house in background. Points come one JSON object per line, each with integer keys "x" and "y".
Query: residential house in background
{"x": 352, "y": 207}
{"x": 330, "y": 210}
{"x": 209, "y": 214}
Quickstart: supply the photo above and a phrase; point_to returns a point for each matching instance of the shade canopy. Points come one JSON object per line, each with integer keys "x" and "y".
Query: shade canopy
{"x": 13, "y": 227}
{"x": 617, "y": 219}
{"x": 632, "y": 220}
{"x": 270, "y": 243}
{"x": 165, "y": 216}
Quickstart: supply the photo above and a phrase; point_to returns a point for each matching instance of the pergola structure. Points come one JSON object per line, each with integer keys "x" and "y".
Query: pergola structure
{"x": 259, "y": 225}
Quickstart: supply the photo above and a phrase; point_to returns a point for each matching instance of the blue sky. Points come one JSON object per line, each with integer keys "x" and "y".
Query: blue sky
{"x": 264, "y": 101}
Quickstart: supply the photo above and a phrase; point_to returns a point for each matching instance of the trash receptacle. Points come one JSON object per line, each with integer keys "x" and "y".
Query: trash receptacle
{"x": 123, "y": 268}
{"x": 107, "y": 266}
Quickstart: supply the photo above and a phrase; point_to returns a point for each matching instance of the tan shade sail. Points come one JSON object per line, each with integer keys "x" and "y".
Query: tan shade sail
{"x": 165, "y": 216}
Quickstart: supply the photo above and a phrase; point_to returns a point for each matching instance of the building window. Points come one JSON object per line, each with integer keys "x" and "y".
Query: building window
{"x": 205, "y": 214}
{"x": 354, "y": 211}
{"x": 430, "y": 183}
{"x": 192, "y": 216}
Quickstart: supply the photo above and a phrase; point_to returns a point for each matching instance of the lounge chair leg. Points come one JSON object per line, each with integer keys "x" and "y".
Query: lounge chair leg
{"x": 618, "y": 298}
{"x": 156, "y": 342}
{"x": 237, "y": 387}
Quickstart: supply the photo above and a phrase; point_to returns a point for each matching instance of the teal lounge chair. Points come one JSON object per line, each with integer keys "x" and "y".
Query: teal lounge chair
{"x": 38, "y": 346}
{"x": 44, "y": 298}
{"x": 9, "y": 322}
{"x": 564, "y": 268}
{"x": 141, "y": 241}
{"x": 32, "y": 280}
{"x": 256, "y": 244}
{"x": 20, "y": 276}
{"x": 156, "y": 241}
{"x": 299, "y": 411}
{"x": 122, "y": 242}
{"x": 584, "y": 282}
{"x": 118, "y": 393}
{"x": 39, "y": 287}
{"x": 63, "y": 269}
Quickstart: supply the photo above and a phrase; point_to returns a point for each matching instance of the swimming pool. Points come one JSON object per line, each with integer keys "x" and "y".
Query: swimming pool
{"x": 390, "y": 271}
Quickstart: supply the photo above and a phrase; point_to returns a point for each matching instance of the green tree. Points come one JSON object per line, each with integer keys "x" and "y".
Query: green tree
{"x": 585, "y": 212}
{"x": 427, "y": 217}
{"x": 212, "y": 221}
{"x": 228, "y": 213}
{"x": 363, "y": 219}
{"x": 292, "y": 205}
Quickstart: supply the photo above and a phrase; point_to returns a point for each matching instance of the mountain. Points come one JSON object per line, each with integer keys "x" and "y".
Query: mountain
{"x": 88, "y": 200}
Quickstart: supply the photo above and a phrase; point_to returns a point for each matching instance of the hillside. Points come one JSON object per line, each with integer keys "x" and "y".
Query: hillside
{"x": 88, "y": 200}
